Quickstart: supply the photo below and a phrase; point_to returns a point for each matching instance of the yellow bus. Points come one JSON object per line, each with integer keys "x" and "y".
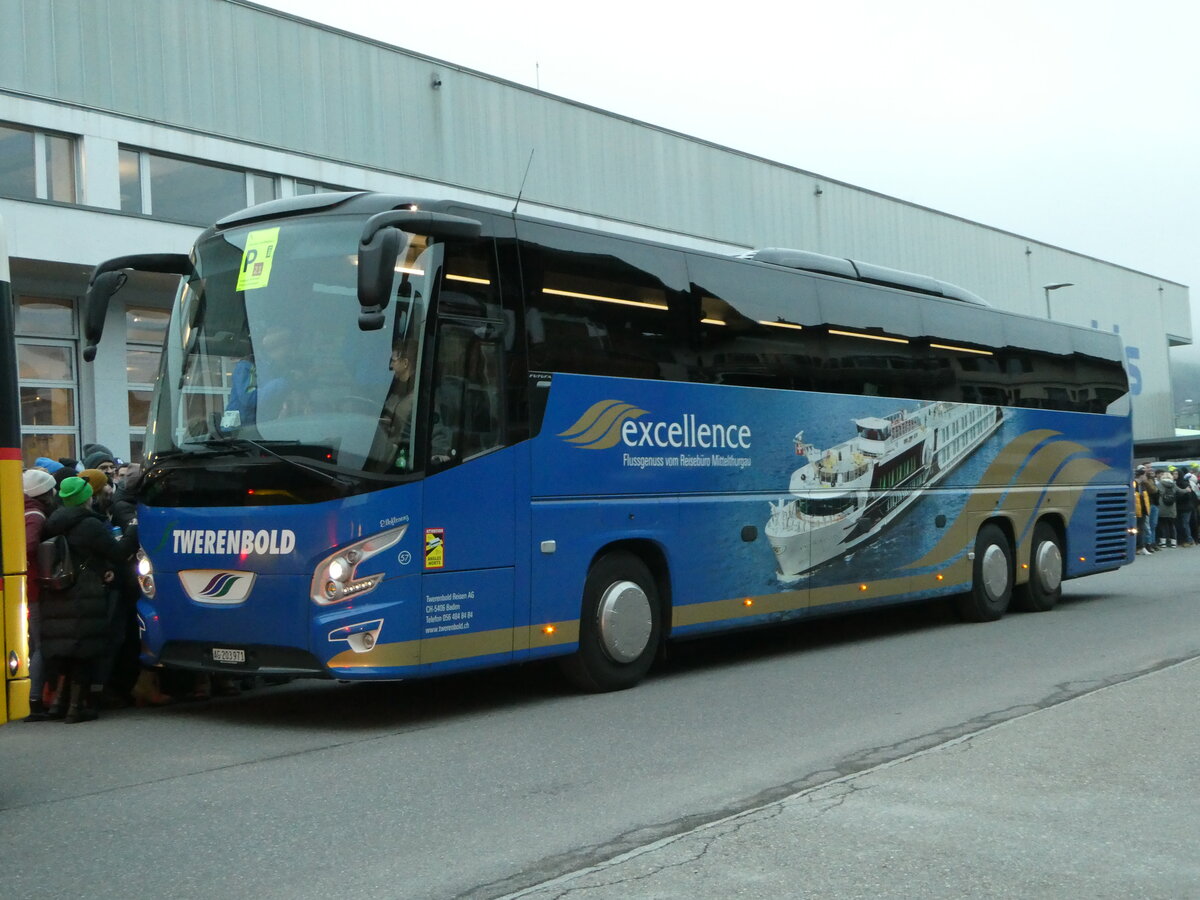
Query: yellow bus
{"x": 14, "y": 641}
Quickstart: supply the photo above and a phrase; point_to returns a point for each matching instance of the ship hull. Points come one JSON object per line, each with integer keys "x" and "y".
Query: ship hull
{"x": 802, "y": 544}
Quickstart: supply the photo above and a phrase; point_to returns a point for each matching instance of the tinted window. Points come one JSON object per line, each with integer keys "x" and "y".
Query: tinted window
{"x": 603, "y": 306}
{"x": 471, "y": 387}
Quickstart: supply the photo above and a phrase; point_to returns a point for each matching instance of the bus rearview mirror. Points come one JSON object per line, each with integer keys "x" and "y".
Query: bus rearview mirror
{"x": 95, "y": 308}
{"x": 110, "y": 276}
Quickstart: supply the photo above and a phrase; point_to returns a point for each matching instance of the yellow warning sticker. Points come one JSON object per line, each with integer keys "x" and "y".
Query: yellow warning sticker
{"x": 257, "y": 259}
{"x": 435, "y": 548}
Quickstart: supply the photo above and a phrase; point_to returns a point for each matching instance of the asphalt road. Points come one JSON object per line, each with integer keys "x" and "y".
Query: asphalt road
{"x": 494, "y": 783}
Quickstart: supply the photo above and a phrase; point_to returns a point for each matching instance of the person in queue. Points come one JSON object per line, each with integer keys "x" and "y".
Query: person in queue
{"x": 39, "y": 487}
{"x": 76, "y": 630}
{"x": 1151, "y": 476}
{"x": 97, "y": 456}
{"x": 1167, "y": 492}
{"x": 1185, "y": 507}
{"x": 1193, "y": 483}
{"x": 1141, "y": 511}
{"x": 102, "y": 490}
{"x": 123, "y": 509}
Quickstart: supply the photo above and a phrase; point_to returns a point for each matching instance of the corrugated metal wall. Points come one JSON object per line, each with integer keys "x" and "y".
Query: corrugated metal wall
{"x": 227, "y": 68}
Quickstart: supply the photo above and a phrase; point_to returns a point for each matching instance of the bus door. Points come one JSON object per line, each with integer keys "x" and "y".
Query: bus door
{"x": 468, "y": 506}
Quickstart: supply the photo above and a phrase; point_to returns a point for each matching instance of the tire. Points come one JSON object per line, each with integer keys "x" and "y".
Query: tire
{"x": 620, "y": 626}
{"x": 1044, "y": 588}
{"x": 992, "y": 578}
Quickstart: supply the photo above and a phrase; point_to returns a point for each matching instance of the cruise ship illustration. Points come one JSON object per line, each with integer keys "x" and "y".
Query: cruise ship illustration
{"x": 846, "y": 495}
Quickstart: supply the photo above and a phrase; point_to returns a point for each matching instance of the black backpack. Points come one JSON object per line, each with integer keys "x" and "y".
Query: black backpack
{"x": 56, "y": 569}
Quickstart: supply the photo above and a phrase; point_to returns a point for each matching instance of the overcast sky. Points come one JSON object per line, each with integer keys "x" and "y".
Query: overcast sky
{"x": 1074, "y": 122}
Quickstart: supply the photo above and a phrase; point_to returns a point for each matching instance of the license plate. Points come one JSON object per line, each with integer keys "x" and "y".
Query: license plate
{"x": 223, "y": 655}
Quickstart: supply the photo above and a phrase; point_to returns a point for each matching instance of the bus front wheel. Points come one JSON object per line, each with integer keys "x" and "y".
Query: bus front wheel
{"x": 991, "y": 579}
{"x": 619, "y": 626}
{"x": 1041, "y": 592}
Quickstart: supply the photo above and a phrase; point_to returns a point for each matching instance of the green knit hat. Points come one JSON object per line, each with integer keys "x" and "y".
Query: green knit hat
{"x": 74, "y": 491}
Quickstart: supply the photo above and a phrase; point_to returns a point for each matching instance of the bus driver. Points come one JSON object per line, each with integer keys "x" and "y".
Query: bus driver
{"x": 396, "y": 421}
{"x": 265, "y": 382}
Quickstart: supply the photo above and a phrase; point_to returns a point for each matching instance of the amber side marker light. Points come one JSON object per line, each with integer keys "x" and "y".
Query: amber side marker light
{"x": 747, "y": 602}
{"x": 939, "y": 577}
{"x": 548, "y": 629}
{"x": 862, "y": 587}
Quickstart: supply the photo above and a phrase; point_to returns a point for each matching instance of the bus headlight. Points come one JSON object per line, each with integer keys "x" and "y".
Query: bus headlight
{"x": 336, "y": 577}
{"x": 145, "y": 574}
{"x": 339, "y": 569}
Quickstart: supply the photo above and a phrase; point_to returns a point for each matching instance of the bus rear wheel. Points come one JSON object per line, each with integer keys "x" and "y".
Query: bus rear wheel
{"x": 991, "y": 579}
{"x": 1042, "y": 591}
{"x": 619, "y": 626}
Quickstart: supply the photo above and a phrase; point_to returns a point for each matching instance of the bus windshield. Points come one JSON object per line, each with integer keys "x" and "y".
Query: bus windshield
{"x": 264, "y": 349}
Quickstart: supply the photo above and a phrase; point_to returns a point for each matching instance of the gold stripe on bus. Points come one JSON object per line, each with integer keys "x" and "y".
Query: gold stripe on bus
{"x": 732, "y": 610}
{"x": 1048, "y": 460}
{"x": 737, "y": 608}
{"x": 956, "y": 572}
{"x": 1062, "y": 495}
{"x": 381, "y": 656}
{"x": 457, "y": 646}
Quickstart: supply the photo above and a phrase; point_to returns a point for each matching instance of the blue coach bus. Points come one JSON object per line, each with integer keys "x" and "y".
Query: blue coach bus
{"x": 395, "y": 438}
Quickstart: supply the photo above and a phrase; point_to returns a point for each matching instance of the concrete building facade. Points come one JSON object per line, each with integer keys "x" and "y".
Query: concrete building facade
{"x": 126, "y": 127}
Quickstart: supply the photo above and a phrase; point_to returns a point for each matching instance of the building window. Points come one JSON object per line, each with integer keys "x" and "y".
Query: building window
{"x": 183, "y": 190}
{"x": 193, "y": 192}
{"x": 262, "y": 187}
{"x": 187, "y": 190}
{"x": 130, "y": 165}
{"x": 304, "y": 188}
{"x": 144, "y": 331}
{"x": 47, "y": 378}
{"x": 37, "y": 165}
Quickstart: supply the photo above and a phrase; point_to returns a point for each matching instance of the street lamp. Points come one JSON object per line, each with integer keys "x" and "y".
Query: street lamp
{"x": 1054, "y": 287}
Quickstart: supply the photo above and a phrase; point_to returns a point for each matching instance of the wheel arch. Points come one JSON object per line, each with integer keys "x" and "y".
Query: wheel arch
{"x": 1005, "y": 524}
{"x": 1055, "y": 520}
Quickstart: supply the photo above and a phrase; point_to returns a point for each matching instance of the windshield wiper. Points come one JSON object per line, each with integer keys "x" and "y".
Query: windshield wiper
{"x": 241, "y": 443}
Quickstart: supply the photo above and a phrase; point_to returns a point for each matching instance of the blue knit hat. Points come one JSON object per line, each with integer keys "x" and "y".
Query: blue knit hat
{"x": 50, "y": 465}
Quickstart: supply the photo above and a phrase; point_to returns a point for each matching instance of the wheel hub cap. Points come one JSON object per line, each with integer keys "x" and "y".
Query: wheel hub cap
{"x": 995, "y": 571}
{"x": 625, "y": 621}
{"x": 1048, "y": 566}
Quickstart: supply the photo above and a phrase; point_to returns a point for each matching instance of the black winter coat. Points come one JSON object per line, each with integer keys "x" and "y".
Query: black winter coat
{"x": 123, "y": 510}
{"x": 75, "y": 622}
